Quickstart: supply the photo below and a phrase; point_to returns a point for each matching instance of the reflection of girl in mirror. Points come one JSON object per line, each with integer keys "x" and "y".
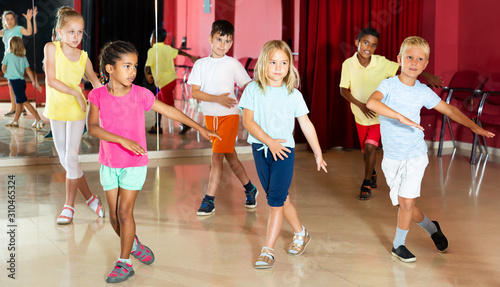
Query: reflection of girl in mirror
{"x": 116, "y": 117}
{"x": 10, "y": 29}
{"x": 13, "y": 66}
{"x": 66, "y": 106}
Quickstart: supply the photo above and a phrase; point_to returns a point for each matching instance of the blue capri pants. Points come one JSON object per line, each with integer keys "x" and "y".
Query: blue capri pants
{"x": 275, "y": 176}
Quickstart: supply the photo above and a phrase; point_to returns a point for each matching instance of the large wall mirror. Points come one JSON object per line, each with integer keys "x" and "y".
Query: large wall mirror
{"x": 187, "y": 23}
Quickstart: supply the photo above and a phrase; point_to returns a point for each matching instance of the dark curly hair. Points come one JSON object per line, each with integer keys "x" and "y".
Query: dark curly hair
{"x": 111, "y": 53}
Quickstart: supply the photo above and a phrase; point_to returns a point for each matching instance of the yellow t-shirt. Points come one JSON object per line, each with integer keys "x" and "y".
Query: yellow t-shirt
{"x": 166, "y": 68}
{"x": 61, "y": 106}
{"x": 362, "y": 82}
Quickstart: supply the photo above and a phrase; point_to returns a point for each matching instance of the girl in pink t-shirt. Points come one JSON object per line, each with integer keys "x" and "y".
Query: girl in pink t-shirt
{"x": 116, "y": 117}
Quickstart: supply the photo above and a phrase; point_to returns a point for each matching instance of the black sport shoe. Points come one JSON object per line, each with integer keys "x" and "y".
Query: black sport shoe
{"x": 373, "y": 181}
{"x": 207, "y": 207}
{"x": 402, "y": 253}
{"x": 251, "y": 201}
{"x": 184, "y": 129}
{"x": 439, "y": 239}
{"x": 365, "y": 193}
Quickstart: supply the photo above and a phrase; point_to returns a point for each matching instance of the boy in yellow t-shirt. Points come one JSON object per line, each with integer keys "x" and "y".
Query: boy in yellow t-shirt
{"x": 361, "y": 75}
{"x": 164, "y": 76}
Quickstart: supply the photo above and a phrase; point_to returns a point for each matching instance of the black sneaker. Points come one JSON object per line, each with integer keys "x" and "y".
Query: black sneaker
{"x": 373, "y": 181}
{"x": 48, "y": 136}
{"x": 251, "y": 201}
{"x": 365, "y": 193}
{"x": 184, "y": 129}
{"x": 207, "y": 207}
{"x": 439, "y": 239}
{"x": 402, "y": 253}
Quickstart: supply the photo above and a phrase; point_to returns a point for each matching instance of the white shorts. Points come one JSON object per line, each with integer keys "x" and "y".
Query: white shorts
{"x": 404, "y": 177}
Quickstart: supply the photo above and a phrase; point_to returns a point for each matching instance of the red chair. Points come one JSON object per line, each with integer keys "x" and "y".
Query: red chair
{"x": 488, "y": 111}
{"x": 461, "y": 89}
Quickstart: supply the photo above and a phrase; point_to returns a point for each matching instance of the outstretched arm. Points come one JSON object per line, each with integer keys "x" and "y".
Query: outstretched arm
{"x": 312, "y": 138}
{"x": 89, "y": 72}
{"x": 375, "y": 104}
{"x": 29, "y": 30}
{"x": 455, "y": 114}
{"x": 362, "y": 106}
{"x": 96, "y": 131}
{"x": 221, "y": 99}
{"x": 191, "y": 57}
{"x": 176, "y": 115}
{"x": 275, "y": 146}
{"x": 33, "y": 79}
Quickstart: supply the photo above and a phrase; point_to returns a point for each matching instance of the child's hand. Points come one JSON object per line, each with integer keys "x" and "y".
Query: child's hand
{"x": 320, "y": 162}
{"x": 482, "y": 132}
{"x": 81, "y": 101}
{"x": 278, "y": 150}
{"x": 37, "y": 87}
{"x": 226, "y": 101}
{"x": 408, "y": 122}
{"x": 208, "y": 134}
{"x": 194, "y": 58}
{"x": 35, "y": 11}
{"x": 368, "y": 113}
{"x": 133, "y": 146}
{"x": 434, "y": 81}
{"x": 150, "y": 79}
{"x": 28, "y": 15}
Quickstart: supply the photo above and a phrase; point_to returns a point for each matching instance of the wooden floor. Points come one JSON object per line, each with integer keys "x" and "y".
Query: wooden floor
{"x": 351, "y": 239}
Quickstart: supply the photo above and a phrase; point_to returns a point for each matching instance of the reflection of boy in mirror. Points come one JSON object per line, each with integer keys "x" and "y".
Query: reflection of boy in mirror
{"x": 10, "y": 29}
{"x": 163, "y": 74}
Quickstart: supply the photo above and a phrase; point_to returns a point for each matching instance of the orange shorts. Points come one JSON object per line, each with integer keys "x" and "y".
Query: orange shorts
{"x": 227, "y": 128}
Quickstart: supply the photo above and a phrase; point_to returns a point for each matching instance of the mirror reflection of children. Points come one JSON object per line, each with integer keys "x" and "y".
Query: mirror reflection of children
{"x": 117, "y": 118}
{"x": 270, "y": 106}
{"x": 161, "y": 70}
{"x": 14, "y": 65}
{"x": 10, "y": 29}
{"x": 66, "y": 107}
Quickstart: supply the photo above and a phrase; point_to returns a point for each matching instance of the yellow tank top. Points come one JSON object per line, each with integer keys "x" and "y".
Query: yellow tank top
{"x": 61, "y": 106}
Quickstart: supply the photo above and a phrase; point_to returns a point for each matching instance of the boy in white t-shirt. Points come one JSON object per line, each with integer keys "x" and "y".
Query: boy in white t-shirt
{"x": 212, "y": 82}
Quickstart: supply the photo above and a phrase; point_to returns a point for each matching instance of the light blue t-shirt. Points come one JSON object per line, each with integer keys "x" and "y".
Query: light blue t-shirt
{"x": 15, "y": 66}
{"x": 399, "y": 141}
{"x": 274, "y": 112}
{"x": 9, "y": 33}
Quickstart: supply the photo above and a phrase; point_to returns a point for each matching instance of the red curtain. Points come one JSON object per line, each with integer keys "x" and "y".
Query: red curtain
{"x": 328, "y": 30}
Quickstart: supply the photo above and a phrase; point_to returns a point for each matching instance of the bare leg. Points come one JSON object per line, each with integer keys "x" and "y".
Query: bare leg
{"x": 112, "y": 199}
{"x": 237, "y": 167}
{"x": 84, "y": 188}
{"x": 370, "y": 160}
{"x": 71, "y": 188}
{"x": 19, "y": 109}
{"x": 291, "y": 216}
{"x": 32, "y": 110}
{"x": 12, "y": 99}
{"x": 215, "y": 173}
{"x": 405, "y": 212}
{"x": 126, "y": 202}
{"x": 274, "y": 224}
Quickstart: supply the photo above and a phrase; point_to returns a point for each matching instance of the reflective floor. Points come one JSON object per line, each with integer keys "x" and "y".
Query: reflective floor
{"x": 351, "y": 240}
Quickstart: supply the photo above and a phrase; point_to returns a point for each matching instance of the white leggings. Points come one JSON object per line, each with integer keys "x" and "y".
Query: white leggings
{"x": 67, "y": 138}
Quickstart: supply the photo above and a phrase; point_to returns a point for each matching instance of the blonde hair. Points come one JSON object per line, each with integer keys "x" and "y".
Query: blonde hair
{"x": 291, "y": 79}
{"x": 16, "y": 46}
{"x": 66, "y": 14}
{"x": 414, "y": 41}
{"x": 5, "y": 13}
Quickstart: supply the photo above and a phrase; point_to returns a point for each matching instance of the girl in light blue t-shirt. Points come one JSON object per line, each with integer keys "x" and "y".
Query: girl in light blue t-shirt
{"x": 270, "y": 106}
{"x": 11, "y": 29}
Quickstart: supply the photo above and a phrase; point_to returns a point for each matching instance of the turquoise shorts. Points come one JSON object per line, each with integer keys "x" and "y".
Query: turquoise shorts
{"x": 131, "y": 178}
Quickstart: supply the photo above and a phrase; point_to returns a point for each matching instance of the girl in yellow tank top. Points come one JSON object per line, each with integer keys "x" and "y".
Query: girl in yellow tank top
{"x": 66, "y": 106}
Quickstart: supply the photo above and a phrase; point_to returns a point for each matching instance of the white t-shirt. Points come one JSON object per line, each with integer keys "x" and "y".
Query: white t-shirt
{"x": 217, "y": 76}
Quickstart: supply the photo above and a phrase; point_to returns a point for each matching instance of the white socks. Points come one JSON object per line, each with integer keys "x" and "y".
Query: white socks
{"x": 93, "y": 203}
{"x": 126, "y": 261}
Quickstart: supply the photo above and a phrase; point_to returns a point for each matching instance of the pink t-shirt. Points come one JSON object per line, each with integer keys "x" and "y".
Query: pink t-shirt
{"x": 123, "y": 116}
